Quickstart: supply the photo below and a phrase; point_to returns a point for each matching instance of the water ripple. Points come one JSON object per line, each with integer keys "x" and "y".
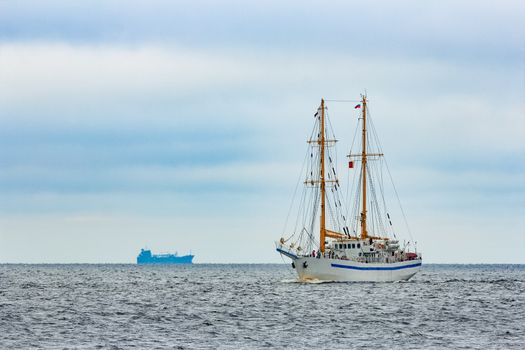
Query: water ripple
{"x": 257, "y": 307}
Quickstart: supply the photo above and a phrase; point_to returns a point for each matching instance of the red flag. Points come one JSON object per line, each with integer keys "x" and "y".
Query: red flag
{"x": 357, "y": 106}
{"x": 351, "y": 164}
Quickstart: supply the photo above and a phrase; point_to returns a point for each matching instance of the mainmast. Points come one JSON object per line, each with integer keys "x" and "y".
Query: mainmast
{"x": 364, "y": 233}
{"x": 322, "y": 232}
{"x": 363, "y": 156}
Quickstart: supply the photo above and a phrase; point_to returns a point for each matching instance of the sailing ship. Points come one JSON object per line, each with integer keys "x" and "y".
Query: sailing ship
{"x": 357, "y": 244}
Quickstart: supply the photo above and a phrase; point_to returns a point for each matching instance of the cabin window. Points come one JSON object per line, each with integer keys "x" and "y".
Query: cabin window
{"x": 344, "y": 246}
{"x": 353, "y": 245}
{"x": 358, "y": 245}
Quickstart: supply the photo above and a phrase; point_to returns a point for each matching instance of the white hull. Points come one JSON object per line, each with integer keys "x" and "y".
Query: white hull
{"x": 324, "y": 269}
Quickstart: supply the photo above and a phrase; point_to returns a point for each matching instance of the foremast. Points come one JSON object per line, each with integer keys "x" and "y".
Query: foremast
{"x": 323, "y": 142}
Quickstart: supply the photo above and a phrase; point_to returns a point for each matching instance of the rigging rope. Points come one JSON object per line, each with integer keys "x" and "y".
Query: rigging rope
{"x": 341, "y": 215}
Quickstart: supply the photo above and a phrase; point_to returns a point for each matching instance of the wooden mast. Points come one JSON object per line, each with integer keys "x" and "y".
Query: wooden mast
{"x": 322, "y": 232}
{"x": 364, "y": 233}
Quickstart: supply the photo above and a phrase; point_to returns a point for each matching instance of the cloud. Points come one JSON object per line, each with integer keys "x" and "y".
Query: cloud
{"x": 95, "y": 81}
{"x": 101, "y": 118}
{"x": 460, "y": 30}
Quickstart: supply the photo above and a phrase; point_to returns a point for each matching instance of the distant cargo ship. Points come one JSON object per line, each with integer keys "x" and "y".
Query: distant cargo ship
{"x": 145, "y": 257}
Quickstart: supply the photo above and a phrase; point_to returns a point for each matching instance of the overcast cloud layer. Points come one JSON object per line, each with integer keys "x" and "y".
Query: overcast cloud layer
{"x": 181, "y": 125}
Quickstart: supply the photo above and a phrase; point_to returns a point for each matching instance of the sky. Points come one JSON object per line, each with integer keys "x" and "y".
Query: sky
{"x": 181, "y": 125}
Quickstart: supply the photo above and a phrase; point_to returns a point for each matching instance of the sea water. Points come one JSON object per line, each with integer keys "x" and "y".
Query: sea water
{"x": 257, "y": 307}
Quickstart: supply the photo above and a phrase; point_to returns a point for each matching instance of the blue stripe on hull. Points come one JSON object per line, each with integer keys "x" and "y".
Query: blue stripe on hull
{"x": 288, "y": 254}
{"x": 389, "y": 268}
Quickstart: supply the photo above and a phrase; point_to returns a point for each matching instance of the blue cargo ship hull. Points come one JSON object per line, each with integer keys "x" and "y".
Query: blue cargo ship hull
{"x": 146, "y": 257}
